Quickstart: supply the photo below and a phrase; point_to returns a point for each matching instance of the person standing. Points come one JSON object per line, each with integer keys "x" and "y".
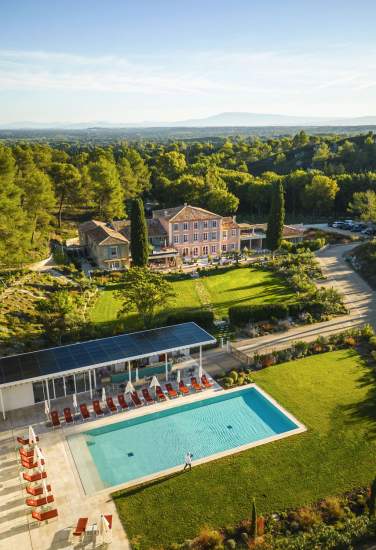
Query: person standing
{"x": 188, "y": 462}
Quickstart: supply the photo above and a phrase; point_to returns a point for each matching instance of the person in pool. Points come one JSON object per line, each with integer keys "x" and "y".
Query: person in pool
{"x": 188, "y": 462}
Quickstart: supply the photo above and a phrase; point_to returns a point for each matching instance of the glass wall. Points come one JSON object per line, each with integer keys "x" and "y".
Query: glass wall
{"x": 62, "y": 386}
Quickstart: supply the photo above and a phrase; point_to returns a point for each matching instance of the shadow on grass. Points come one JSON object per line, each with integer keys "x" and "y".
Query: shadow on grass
{"x": 140, "y": 488}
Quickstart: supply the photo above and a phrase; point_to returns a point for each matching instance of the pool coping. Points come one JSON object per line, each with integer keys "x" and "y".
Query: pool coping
{"x": 205, "y": 395}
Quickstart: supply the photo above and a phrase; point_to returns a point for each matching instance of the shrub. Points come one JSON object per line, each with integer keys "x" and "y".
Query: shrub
{"x": 367, "y": 331}
{"x": 268, "y": 360}
{"x": 228, "y": 382}
{"x": 372, "y": 341}
{"x": 350, "y": 341}
{"x": 240, "y": 380}
{"x": 242, "y": 315}
{"x": 231, "y": 544}
{"x": 234, "y": 375}
{"x": 208, "y": 539}
{"x": 203, "y": 317}
{"x": 332, "y": 509}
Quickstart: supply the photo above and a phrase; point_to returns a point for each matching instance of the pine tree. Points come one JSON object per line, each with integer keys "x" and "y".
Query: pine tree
{"x": 254, "y": 520}
{"x": 139, "y": 235}
{"x": 276, "y": 217}
{"x": 372, "y": 499}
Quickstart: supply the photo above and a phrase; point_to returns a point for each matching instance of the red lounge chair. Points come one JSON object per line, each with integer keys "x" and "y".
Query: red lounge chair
{"x": 146, "y": 395}
{"x": 111, "y": 405}
{"x": 68, "y": 416}
{"x": 97, "y": 408}
{"x": 37, "y": 490}
{"x": 195, "y": 385}
{"x": 24, "y": 441}
{"x": 30, "y": 465}
{"x": 26, "y": 454}
{"x": 122, "y": 402}
{"x": 136, "y": 399}
{"x": 80, "y": 527}
{"x": 109, "y": 520}
{"x": 183, "y": 388}
{"x": 205, "y": 381}
{"x": 37, "y": 476}
{"x": 36, "y": 502}
{"x": 44, "y": 516}
{"x": 55, "y": 419}
{"x": 160, "y": 395}
{"x": 84, "y": 411}
{"x": 170, "y": 390}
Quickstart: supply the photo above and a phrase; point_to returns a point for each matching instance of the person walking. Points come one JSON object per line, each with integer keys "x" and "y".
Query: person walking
{"x": 188, "y": 462}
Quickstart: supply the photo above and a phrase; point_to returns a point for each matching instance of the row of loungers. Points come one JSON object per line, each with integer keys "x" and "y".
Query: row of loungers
{"x": 136, "y": 401}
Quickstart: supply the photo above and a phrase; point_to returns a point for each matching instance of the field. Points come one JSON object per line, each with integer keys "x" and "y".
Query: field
{"x": 333, "y": 394}
{"x": 241, "y": 286}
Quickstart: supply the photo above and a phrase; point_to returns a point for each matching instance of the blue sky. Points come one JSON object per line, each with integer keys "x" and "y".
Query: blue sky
{"x": 165, "y": 60}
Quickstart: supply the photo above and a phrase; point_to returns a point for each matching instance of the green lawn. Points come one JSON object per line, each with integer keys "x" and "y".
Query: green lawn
{"x": 333, "y": 394}
{"x": 241, "y": 286}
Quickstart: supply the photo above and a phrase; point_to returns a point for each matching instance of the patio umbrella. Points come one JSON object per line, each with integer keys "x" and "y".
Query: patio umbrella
{"x": 40, "y": 457}
{"x": 200, "y": 372}
{"x": 46, "y": 408}
{"x": 154, "y": 383}
{"x": 178, "y": 376}
{"x": 32, "y": 436}
{"x": 105, "y": 530}
{"x": 45, "y": 489}
{"x": 104, "y": 394}
{"x": 75, "y": 405}
{"x": 129, "y": 388}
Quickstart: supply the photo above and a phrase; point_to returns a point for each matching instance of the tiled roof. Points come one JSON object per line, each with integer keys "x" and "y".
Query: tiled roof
{"x": 101, "y": 233}
{"x": 229, "y": 223}
{"x": 185, "y": 213}
{"x": 155, "y": 228}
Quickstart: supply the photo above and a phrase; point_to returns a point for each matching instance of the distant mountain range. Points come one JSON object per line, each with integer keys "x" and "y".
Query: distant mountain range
{"x": 229, "y": 119}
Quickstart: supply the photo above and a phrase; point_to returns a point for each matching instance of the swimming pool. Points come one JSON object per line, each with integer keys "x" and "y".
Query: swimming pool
{"x": 145, "y": 445}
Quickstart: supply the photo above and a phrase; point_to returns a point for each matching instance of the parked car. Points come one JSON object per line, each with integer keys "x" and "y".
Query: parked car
{"x": 369, "y": 232}
{"x": 358, "y": 227}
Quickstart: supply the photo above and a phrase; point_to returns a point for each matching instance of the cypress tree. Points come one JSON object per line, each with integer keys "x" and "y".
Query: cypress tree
{"x": 276, "y": 217}
{"x": 254, "y": 520}
{"x": 139, "y": 235}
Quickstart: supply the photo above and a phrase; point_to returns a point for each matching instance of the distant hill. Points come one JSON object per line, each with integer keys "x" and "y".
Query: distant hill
{"x": 223, "y": 120}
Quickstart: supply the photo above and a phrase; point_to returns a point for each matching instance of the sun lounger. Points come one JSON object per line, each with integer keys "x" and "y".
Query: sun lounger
{"x": 26, "y": 454}
{"x": 160, "y": 395}
{"x": 45, "y": 515}
{"x": 84, "y": 411}
{"x": 37, "y": 476}
{"x": 136, "y": 400}
{"x": 30, "y": 465}
{"x": 111, "y": 405}
{"x": 97, "y": 408}
{"x": 80, "y": 527}
{"x": 170, "y": 390}
{"x": 36, "y": 490}
{"x": 146, "y": 395}
{"x": 195, "y": 385}
{"x": 68, "y": 416}
{"x": 55, "y": 419}
{"x": 23, "y": 441}
{"x": 205, "y": 381}
{"x": 109, "y": 520}
{"x": 122, "y": 402}
{"x": 183, "y": 388}
{"x": 36, "y": 502}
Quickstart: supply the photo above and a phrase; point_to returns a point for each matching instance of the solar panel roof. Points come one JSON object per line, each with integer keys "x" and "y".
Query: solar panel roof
{"x": 125, "y": 347}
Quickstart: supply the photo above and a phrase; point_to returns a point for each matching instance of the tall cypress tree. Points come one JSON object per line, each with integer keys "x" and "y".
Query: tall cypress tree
{"x": 254, "y": 520}
{"x": 276, "y": 217}
{"x": 139, "y": 234}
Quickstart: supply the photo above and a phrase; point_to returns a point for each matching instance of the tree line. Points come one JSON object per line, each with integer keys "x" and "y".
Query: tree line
{"x": 41, "y": 184}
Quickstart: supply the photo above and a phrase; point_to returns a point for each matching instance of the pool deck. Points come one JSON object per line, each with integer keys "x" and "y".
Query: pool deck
{"x": 18, "y": 530}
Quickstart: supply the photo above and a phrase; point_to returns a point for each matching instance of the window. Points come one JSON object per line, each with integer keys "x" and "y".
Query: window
{"x": 176, "y": 238}
{"x": 225, "y": 235}
{"x": 195, "y": 225}
{"x": 185, "y": 251}
{"x": 195, "y": 236}
{"x": 213, "y": 249}
{"x": 205, "y": 225}
{"x": 185, "y": 238}
{"x": 214, "y": 223}
{"x": 176, "y": 227}
{"x": 224, "y": 248}
{"x": 185, "y": 226}
{"x": 205, "y": 250}
{"x": 114, "y": 265}
{"x": 113, "y": 252}
{"x": 214, "y": 235}
{"x": 233, "y": 246}
{"x": 205, "y": 237}
{"x": 233, "y": 232}
{"x": 195, "y": 251}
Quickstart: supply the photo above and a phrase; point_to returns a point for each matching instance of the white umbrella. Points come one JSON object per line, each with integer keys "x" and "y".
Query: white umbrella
{"x": 46, "y": 408}
{"x": 129, "y": 388}
{"x": 105, "y": 530}
{"x": 104, "y": 394}
{"x": 40, "y": 457}
{"x": 178, "y": 376}
{"x": 75, "y": 405}
{"x": 45, "y": 488}
{"x": 32, "y": 436}
{"x": 200, "y": 372}
{"x": 154, "y": 383}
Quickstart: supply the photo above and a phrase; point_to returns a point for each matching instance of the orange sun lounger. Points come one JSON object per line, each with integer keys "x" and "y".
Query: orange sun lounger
{"x": 170, "y": 390}
{"x": 80, "y": 527}
{"x": 136, "y": 400}
{"x": 35, "y": 491}
{"x": 84, "y": 411}
{"x": 183, "y": 388}
{"x": 55, "y": 419}
{"x": 68, "y": 416}
{"x": 146, "y": 395}
{"x": 24, "y": 441}
{"x": 122, "y": 402}
{"x": 205, "y": 381}
{"x": 97, "y": 408}
{"x": 111, "y": 405}
{"x": 37, "y": 476}
{"x": 160, "y": 395}
{"x": 195, "y": 385}
{"x": 44, "y": 516}
{"x": 36, "y": 502}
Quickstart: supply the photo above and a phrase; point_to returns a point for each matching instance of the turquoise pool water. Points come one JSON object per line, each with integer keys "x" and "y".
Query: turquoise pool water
{"x": 138, "y": 447}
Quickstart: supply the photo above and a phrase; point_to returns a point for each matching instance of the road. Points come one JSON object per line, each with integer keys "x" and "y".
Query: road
{"x": 358, "y": 297}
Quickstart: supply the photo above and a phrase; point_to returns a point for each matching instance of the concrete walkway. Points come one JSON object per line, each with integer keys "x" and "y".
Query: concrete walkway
{"x": 358, "y": 297}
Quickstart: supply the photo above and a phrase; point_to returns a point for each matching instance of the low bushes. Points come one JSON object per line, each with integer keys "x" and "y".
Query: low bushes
{"x": 312, "y": 245}
{"x": 242, "y": 315}
{"x": 202, "y": 317}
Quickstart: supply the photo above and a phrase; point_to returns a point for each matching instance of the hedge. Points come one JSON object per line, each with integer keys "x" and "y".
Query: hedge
{"x": 241, "y": 315}
{"x": 203, "y": 317}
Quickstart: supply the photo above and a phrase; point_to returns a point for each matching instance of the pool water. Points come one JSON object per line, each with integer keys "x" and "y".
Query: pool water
{"x": 148, "y": 444}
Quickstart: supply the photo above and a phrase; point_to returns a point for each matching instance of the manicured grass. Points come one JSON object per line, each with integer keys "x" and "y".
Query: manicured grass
{"x": 240, "y": 286}
{"x": 333, "y": 394}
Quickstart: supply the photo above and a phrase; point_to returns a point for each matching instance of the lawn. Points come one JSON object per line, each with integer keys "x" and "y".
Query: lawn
{"x": 220, "y": 291}
{"x": 333, "y": 394}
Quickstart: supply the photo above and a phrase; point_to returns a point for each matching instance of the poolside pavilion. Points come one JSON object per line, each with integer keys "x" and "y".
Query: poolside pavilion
{"x": 45, "y": 375}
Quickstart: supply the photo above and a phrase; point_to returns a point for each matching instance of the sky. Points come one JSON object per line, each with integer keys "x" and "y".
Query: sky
{"x": 168, "y": 60}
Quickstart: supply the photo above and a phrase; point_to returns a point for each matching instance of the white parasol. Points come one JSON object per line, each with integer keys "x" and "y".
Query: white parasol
{"x": 105, "y": 530}
{"x": 104, "y": 394}
{"x": 32, "y": 436}
{"x": 75, "y": 405}
{"x": 154, "y": 384}
{"x": 46, "y": 408}
{"x": 178, "y": 375}
{"x": 129, "y": 388}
